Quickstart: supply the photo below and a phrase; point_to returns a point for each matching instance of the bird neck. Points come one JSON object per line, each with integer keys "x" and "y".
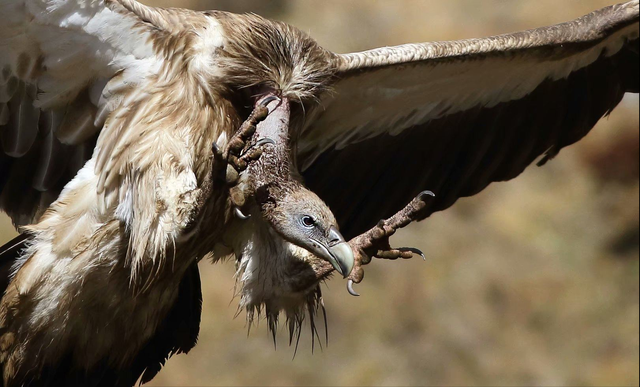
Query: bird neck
{"x": 271, "y": 271}
{"x": 275, "y": 163}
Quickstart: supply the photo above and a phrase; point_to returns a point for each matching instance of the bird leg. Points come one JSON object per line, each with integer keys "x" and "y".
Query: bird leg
{"x": 241, "y": 149}
{"x": 375, "y": 242}
{"x": 228, "y": 163}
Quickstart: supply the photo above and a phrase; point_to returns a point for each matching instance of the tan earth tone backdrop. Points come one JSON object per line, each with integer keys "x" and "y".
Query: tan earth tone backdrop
{"x": 533, "y": 282}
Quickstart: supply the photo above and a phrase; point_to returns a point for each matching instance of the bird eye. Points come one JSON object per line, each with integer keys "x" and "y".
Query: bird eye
{"x": 308, "y": 221}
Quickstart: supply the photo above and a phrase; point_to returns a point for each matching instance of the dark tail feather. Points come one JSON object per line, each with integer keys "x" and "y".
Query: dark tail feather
{"x": 9, "y": 253}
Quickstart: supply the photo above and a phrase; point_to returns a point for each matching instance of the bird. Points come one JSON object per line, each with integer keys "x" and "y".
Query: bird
{"x": 137, "y": 141}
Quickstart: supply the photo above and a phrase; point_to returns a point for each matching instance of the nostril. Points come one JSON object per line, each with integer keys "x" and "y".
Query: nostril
{"x": 335, "y": 237}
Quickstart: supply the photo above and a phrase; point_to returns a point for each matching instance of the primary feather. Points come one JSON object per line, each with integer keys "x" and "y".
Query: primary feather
{"x": 111, "y": 107}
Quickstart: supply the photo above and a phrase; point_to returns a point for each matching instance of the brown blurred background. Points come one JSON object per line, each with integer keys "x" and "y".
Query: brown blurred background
{"x": 533, "y": 282}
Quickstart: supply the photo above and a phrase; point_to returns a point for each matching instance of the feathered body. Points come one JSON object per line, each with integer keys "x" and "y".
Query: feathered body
{"x": 119, "y": 110}
{"x": 122, "y": 226}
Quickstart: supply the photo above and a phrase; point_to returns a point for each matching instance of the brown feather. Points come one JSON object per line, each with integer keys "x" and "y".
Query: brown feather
{"x": 20, "y": 133}
{"x": 472, "y": 148}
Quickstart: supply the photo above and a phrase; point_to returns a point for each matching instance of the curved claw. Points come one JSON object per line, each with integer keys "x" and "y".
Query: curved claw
{"x": 415, "y": 251}
{"x": 260, "y": 143}
{"x": 265, "y": 102}
{"x": 216, "y": 149}
{"x": 240, "y": 215}
{"x": 351, "y": 290}
{"x": 265, "y": 141}
{"x": 423, "y": 195}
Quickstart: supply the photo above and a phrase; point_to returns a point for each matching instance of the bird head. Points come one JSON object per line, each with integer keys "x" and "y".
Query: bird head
{"x": 288, "y": 245}
{"x": 290, "y": 242}
{"x": 300, "y": 217}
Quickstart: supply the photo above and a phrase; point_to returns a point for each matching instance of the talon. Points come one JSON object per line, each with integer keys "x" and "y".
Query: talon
{"x": 350, "y": 288}
{"x": 265, "y": 102}
{"x": 257, "y": 146}
{"x": 414, "y": 251}
{"x": 265, "y": 141}
{"x": 240, "y": 214}
{"x": 423, "y": 195}
{"x": 375, "y": 242}
{"x": 216, "y": 150}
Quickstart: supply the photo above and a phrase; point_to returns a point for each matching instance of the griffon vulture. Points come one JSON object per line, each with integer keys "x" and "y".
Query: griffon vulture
{"x": 138, "y": 140}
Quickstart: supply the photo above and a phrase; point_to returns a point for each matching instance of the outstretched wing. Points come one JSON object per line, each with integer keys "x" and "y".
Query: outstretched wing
{"x": 64, "y": 66}
{"x": 453, "y": 117}
{"x": 80, "y": 80}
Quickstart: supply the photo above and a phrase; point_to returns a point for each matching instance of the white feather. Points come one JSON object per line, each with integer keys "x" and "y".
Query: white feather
{"x": 390, "y": 99}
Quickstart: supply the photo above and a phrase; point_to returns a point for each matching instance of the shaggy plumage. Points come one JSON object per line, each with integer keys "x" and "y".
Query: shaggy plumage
{"x": 147, "y": 143}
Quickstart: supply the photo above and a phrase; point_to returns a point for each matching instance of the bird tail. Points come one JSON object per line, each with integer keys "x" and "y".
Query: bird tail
{"x": 9, "y": 254}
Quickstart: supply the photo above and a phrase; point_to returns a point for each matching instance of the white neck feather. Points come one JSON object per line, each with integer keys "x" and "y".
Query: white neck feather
{"x": 264, "y": 269}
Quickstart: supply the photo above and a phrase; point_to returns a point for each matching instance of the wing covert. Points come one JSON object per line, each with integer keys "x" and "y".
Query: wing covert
{"x": 63, "y": 65}
{"x": 453, "y": 117}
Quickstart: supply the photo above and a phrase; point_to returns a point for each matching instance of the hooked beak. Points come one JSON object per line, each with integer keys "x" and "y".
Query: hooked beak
{"x": 339, "y": 253}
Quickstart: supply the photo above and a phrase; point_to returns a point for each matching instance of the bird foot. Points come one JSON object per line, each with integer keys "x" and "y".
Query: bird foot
{"x": 242, "y": 148}
{"x": 375, "y": 242}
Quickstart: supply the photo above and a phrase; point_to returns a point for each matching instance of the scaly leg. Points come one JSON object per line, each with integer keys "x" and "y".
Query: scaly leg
{"x": 375, "y": 242}
{"x": 240, "y": 149}
{"x": 230, "y": 162}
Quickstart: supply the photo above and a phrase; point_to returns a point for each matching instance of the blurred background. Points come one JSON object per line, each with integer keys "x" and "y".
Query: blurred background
{"x": 532, "y": 282}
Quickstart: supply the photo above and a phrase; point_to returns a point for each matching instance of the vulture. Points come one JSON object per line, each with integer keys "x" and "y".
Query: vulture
{"x": 136, "y": 141}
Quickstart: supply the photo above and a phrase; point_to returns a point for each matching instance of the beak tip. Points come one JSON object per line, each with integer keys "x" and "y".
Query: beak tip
{"x": 342, "y": 258}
